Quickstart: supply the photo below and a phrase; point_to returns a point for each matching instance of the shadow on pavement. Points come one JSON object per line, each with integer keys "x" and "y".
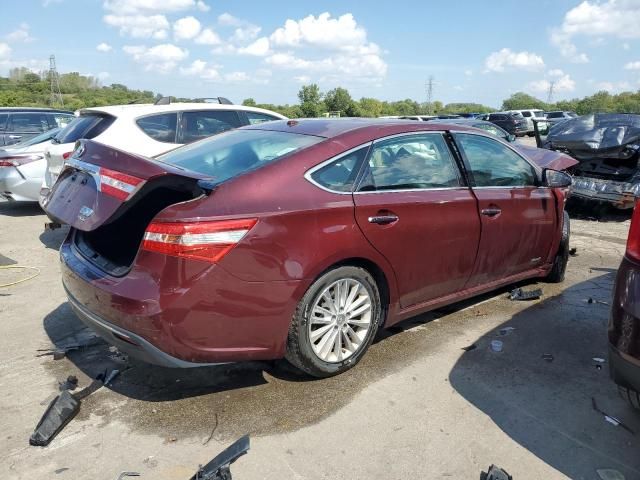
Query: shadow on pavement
{"x": 20, "y": 209}
{"x": 54, "y": 238}
{"x": 546, "y": 406}
{"x": 602, "y": 212}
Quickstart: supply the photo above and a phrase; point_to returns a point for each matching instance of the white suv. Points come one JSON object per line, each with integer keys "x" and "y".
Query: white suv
{"x": 147, "y": 129}
{"x": 529, "y": 114}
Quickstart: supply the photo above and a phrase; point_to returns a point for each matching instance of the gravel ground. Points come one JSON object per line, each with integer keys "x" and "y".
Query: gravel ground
{"x": 416, "y": 407}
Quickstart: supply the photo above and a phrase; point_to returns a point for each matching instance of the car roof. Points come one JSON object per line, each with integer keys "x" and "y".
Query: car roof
{"x": 140, "y": 109}
{"x": 33, "y": 109}
{"x": 365, "y": 127}
{"x": 461, "y": 121}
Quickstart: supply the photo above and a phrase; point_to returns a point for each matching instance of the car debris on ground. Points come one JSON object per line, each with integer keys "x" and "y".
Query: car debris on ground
{"x": 519, "y": 294}
{"x": 219, "y": 467}
{"x": 495, "y": 473}
{"x": 609, "y": 418}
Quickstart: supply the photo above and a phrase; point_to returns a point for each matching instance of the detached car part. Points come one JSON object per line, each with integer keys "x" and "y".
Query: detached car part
{"x": 218, "y": 468}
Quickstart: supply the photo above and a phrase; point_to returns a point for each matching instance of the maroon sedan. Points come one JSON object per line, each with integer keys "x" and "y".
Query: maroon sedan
{"x": 300, "y": 239}
{"x": 624, "y": 322}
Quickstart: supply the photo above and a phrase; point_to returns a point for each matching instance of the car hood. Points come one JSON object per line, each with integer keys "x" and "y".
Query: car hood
{"x": 546, "y": 158}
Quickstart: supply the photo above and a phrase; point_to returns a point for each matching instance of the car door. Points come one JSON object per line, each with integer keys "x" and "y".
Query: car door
{"x": 518, "y": 215}
{"x": 414, "y": 208}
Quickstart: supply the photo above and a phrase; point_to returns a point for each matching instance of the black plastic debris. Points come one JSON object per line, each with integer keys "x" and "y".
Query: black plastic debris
{"x": 518, "y": 294}
{"x": 60, "y": 412}
{"x": 127, "y": 474}
{"x": 573, "y": 252}
{"x": 468, "y": 348}
{"x": 219, "y": 467}
{"x": 495, "y": 473}
{"x": 69, "y": 384}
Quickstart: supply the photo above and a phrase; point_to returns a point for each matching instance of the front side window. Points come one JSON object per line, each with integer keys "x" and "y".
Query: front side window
{"x": 202, "y": 124}
{"x": 234, "y": 152}
{"x": 340, "y": 174}
{"x": 28, "y": 122}
{"x": 410, "y": 162}
{"x": 493, "y": 164}
{"x": 256, "y": 117}
{"x": 161, "y": 127}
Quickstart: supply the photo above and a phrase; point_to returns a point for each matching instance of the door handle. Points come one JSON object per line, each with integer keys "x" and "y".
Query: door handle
{"x": 490, "y": 212}
{"x": 383, "y": 219}
{"x": 15, "y": 137}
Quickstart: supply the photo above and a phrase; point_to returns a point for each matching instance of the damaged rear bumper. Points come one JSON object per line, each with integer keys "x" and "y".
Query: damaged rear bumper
{"x": 618, "y": 194}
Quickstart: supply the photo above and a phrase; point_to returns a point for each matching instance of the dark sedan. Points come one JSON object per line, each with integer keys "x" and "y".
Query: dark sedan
{"x": 624, "y": 322}
{"x": 301, "y": 239}
{"x": 513, "y": 123}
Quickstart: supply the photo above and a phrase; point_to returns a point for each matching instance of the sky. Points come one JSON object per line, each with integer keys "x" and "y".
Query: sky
{"x": 475, "y": 51}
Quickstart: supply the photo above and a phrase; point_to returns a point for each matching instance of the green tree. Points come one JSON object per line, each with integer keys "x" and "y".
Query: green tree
{"x": 339, "y": 100}
{"x": 521, "y": 100}
{"x": 310, "y": 100}
{"x": 249, "y": 102}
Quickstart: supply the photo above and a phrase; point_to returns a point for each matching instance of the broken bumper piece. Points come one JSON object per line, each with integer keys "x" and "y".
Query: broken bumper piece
{"x": 619, "y": 194}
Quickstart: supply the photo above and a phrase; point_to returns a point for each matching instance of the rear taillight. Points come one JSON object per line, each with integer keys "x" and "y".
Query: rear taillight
{"x": 66, "y": 155}
{"x": 633, "y": 241}
{"x": 17, "y": 160}
{"x": 209, "y": 241}
{"x": 118, "y": 184}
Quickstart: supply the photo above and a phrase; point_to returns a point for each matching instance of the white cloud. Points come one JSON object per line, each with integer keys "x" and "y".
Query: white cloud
{"x": 563, "y": 83}
{"x": 140, "y": 26}
{"x": 236, "y": 77}
{"x": 186, "y": 28}
{"x": 133, "y": 7}
{"x": 5, "y": 51}
{"x": 506, "y": 58}
{"x": 208, "y": 37}
{"x": 556, "y": 72}
{"x": 368, "y": 66}
{"x": 160, "y": 58}
{"x": 632, "y": 65}
{"x": 103, "y": 76}
{"x": 626, "y": 46}
{"x": 245, "y": 34}
{"x": 104, "y": 47}
{"x": 321, "y": 31}
{"x": 228, "y": 20}
{"x": 259, "y": 48}
{"x": 613, "y": 87}
{"x": 20, "y": 35}
{"x": 201, "y": 69}
{"x": 302, "y": 78}
{"x": 615, "y": 18}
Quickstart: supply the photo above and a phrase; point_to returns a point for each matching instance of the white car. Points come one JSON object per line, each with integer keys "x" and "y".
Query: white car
{"x": 147, "y": 129}
{"x": 22, "y": 168}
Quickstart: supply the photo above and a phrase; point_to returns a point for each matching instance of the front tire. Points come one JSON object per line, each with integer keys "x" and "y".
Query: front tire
{"x": 556, "y": 275}
{"x": 335, "y": 322}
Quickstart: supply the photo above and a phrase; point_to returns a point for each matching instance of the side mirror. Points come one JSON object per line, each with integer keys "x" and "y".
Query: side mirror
{"x": 511, "y": 138}
{"x": 555, "y": 179}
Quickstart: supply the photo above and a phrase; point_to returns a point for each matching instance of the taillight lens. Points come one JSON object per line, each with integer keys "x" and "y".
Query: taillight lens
{"x": 66, "y": 155}
{"x": 118, "y": 184}
{"x": 633, "y": 241}
{"x": 209, "y": 241}
{"x": 17, "y": 160}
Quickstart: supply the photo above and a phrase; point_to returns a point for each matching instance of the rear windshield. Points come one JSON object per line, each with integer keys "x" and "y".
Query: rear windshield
{"x": 232, "y": 153}
{"x": 84, "y": 126}
{"x": 43, "y": 137}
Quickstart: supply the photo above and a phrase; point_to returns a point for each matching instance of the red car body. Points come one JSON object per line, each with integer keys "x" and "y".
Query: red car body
{"x": 180, "y": 312}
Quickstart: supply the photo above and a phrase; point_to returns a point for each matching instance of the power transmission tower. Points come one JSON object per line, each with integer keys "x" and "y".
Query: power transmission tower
{"x": 429, "y": 86}
{"x": 56, "y": 95}
{"x": 552, "y": 84}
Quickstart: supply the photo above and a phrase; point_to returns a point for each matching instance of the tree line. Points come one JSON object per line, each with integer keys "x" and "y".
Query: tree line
{"x": 25, "y": 88}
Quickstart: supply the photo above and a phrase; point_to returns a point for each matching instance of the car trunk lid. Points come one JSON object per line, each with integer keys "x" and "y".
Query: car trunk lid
{"x": 99, "y": 183}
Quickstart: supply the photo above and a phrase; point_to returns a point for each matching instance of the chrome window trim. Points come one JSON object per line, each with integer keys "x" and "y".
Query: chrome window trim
{"x": 535, "y": 167}
{"x": 461, "y": 187}
{"x": 308, "y": 174}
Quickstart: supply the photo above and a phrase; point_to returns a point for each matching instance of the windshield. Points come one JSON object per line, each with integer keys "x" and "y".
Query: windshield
{"x": 43, "y": 137}
{"x": 232, "y": 153}
{"x": 84, "y": 126}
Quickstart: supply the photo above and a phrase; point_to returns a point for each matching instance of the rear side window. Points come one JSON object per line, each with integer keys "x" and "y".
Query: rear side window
{"x": 255, "y": 117}
{"x": 410, "y": 162}
{"x": 526, "y": 114}
{"x": 3, "y": 121}
{"x": 340, "y": 174}
{"x": 28, "y": 122}
{"x": 232, "y": 153}
{"x": 202, "y": 124}
{"x": 84, "y": 126}
{"x": 494, "y": 164}
{"x": 161, "y": 127}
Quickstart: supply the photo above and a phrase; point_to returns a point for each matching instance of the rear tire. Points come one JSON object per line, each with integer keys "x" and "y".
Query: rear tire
{"x": 630, "y": 396}
{"x": 327, "y": 338}
{"x": 556, "y": 275}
